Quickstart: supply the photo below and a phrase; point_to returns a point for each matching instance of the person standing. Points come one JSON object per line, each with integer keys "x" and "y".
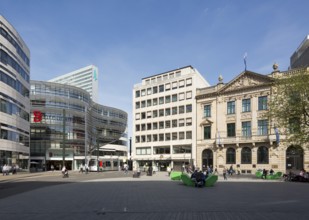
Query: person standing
{"x": 224, "y": 174}
{"x": 52, "y": 168}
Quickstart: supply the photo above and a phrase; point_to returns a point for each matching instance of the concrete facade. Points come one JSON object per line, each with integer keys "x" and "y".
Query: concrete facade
{"x": 164, "y": 118}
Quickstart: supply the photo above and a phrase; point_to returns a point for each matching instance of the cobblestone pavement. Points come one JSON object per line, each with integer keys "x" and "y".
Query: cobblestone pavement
{"x": 115, "y": 195}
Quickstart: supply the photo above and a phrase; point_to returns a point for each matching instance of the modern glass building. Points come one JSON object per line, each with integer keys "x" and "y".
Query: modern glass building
{"x": 14, "y": 97}
{"x": 85, "y": 78}
{"x": 67, "y": 127}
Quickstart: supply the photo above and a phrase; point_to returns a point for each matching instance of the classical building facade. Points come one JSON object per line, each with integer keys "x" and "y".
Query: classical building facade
{"x": 164, "y": 118}
{"x": 14, "y": 97}
{"x": 232, "y": 129}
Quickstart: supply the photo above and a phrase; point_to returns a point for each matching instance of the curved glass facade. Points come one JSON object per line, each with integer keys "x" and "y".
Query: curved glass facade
{"x": 65, "y": 121}
{"x": 14, "y": 97}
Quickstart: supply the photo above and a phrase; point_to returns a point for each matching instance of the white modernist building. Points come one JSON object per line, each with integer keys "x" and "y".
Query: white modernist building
{"x": 164, "y": 119}
{"x": 85, "y": 78}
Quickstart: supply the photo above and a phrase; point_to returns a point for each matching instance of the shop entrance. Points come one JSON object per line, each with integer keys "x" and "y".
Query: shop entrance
{"x": 294, "y": 157}
{"x": 207, "y": 158}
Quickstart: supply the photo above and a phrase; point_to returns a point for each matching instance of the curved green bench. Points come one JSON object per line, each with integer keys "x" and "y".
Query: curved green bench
{"x": 210, "y": 181}
{"x": 258, "y": 174}
{"x": 275, "y": 176}
{"x": 175, "y": 175}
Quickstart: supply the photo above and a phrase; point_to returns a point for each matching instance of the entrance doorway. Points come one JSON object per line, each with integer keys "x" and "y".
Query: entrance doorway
{"x": 207, "y": 158}
{"x": 294, "y": 157}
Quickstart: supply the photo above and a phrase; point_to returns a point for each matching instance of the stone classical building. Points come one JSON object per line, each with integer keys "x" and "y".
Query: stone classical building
{"x": 232, "y": 129}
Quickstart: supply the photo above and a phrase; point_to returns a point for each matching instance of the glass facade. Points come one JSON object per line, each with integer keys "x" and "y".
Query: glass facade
{"x": 14, "y": 98}
{"x": 71, "y": 123}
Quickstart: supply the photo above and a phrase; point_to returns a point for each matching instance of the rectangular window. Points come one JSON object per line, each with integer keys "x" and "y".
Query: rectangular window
{"x": 149, "y": 91}
{"x": 189, "y": 95}
{"x": 149, "y": 138}
{"x": 161, "y": 100}
{"x": 149, "y": 114}
{"x": 167, "y": 86}
{"x": 181, "y": 122}
{"x": 137, "y": 94}
{"x": 143, "y": 92}
{"x": 167, "y": 124}
{"x": 231, "y": 107}
{"x": 155, "y": 113}
{"x": 181, "y": 96}
{"x": 262, "y": 127}
{"x": 161, "y": 112}
{"x": 137, "y": 127}
{"x": 246, "y": 128}
{"x": 189, "y": 82}
{"x": 161, "y": 124}
{"x": 181, "y": 135}
{"x": 188, "y": 108}
{"x": 143, "y": 138}
{"x": 148, "y": 102}
{"x": 174, "y": 123}
{"x": 161, "y": 137}
{"x": 181, "y": 109}
{"x": 174, "y": 111}
{"x": 154, "y": 89}
{"x": 143, "y": 151}
{"x": 174, "y": 98}
{"x": 188, "y": 134}
{"x": 155, "y": 125}
{"x": 181, "y": 83}
{"x": 143, "y": 104}
{"x": 174, "y": 136}
{"x": 165, "y": 77}
{"x": 231, "y": 130}
{"x": 246, "y": 105}
{"x": 167, "y": 99}
{"x": 143, "y": 126}
{"x": 155, "y": 101}
{"x": 262, "y": 103}
{"x": 167, "y": 111}
{"x": 207, "y": 132}
{"x": 143, "y": 115}
{"x": 154, "y": 137}
{"x": 137, "y": 105}
{"x": 174, "y": 85}
{"x": 207, "y": 110}
{"x": 137, "y": 139}
{"x": 161, "y": 88}
{"x": 137, "y": 116}
{"x": 188, "y": 121}
{"x": 167, "y": 136}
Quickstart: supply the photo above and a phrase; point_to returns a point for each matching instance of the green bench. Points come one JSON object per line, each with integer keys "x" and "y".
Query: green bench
{"x": 210, "y": 181}
{"x": 275, "y": 176}
{"x": 175, "y": 175}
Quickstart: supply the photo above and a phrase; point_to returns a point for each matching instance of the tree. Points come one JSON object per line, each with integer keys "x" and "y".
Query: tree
{"x": 289, "y": 105}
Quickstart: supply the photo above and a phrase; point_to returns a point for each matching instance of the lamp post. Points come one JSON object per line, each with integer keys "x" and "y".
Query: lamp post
{"x": 63, "y": 141}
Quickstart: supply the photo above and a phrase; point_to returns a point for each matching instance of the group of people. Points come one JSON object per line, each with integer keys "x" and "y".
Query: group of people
{"x": 83, "y": 168}
{"x": 6, "y": 169}
{"x": 199, "y": 177}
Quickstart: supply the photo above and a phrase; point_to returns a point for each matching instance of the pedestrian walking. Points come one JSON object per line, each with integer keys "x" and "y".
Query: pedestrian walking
{"x": 224, "y": 174}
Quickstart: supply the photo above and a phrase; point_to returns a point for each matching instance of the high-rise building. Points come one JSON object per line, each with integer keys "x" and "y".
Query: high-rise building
{"x": 14, "y": 97}
{"x": 164, "y": 119}
{"x": 85, "y": 78}
{"x": 300, "y": 57}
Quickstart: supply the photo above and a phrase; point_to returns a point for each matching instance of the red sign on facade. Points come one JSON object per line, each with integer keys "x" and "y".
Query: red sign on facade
{"x": 37, "y": 116}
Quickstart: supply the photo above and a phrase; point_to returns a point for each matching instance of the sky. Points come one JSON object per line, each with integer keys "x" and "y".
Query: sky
{"x": 132, "y": 39}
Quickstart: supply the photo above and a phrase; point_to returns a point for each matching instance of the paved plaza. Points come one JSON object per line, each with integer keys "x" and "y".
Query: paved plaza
{"x": 115, "y": 195}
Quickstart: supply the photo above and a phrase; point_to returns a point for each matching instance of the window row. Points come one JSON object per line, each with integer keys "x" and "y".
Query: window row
{"x": 246, "y": 106}
{"x": 164, "y": 124}
{"x": 164, "y": 137}
{"x": 177, "y": 149}
{"x": 164, "y": 100}
{"x": 246, "y": 155}
{"x": 12, "y": 109}
{"x": 163, "y": 88}
{"x": 164, "y": 112}
{"x": 15, "y": 84}
{"x": 245, "y": 129}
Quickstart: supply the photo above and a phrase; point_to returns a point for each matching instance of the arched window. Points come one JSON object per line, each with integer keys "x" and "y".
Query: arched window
{"x": 262, "y": 155}
{"x": 230, "y": 156}
{"x": 246, "y": 155}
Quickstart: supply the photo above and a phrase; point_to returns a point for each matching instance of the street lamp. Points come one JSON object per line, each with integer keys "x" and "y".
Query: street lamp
{"x": 63, "y": 141}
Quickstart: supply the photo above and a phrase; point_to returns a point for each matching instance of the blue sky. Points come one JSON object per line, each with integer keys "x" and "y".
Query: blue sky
{"x": 131, "y": 39}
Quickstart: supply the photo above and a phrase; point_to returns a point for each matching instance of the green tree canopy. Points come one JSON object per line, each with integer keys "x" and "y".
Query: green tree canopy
{"x": 289, "y": 105}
